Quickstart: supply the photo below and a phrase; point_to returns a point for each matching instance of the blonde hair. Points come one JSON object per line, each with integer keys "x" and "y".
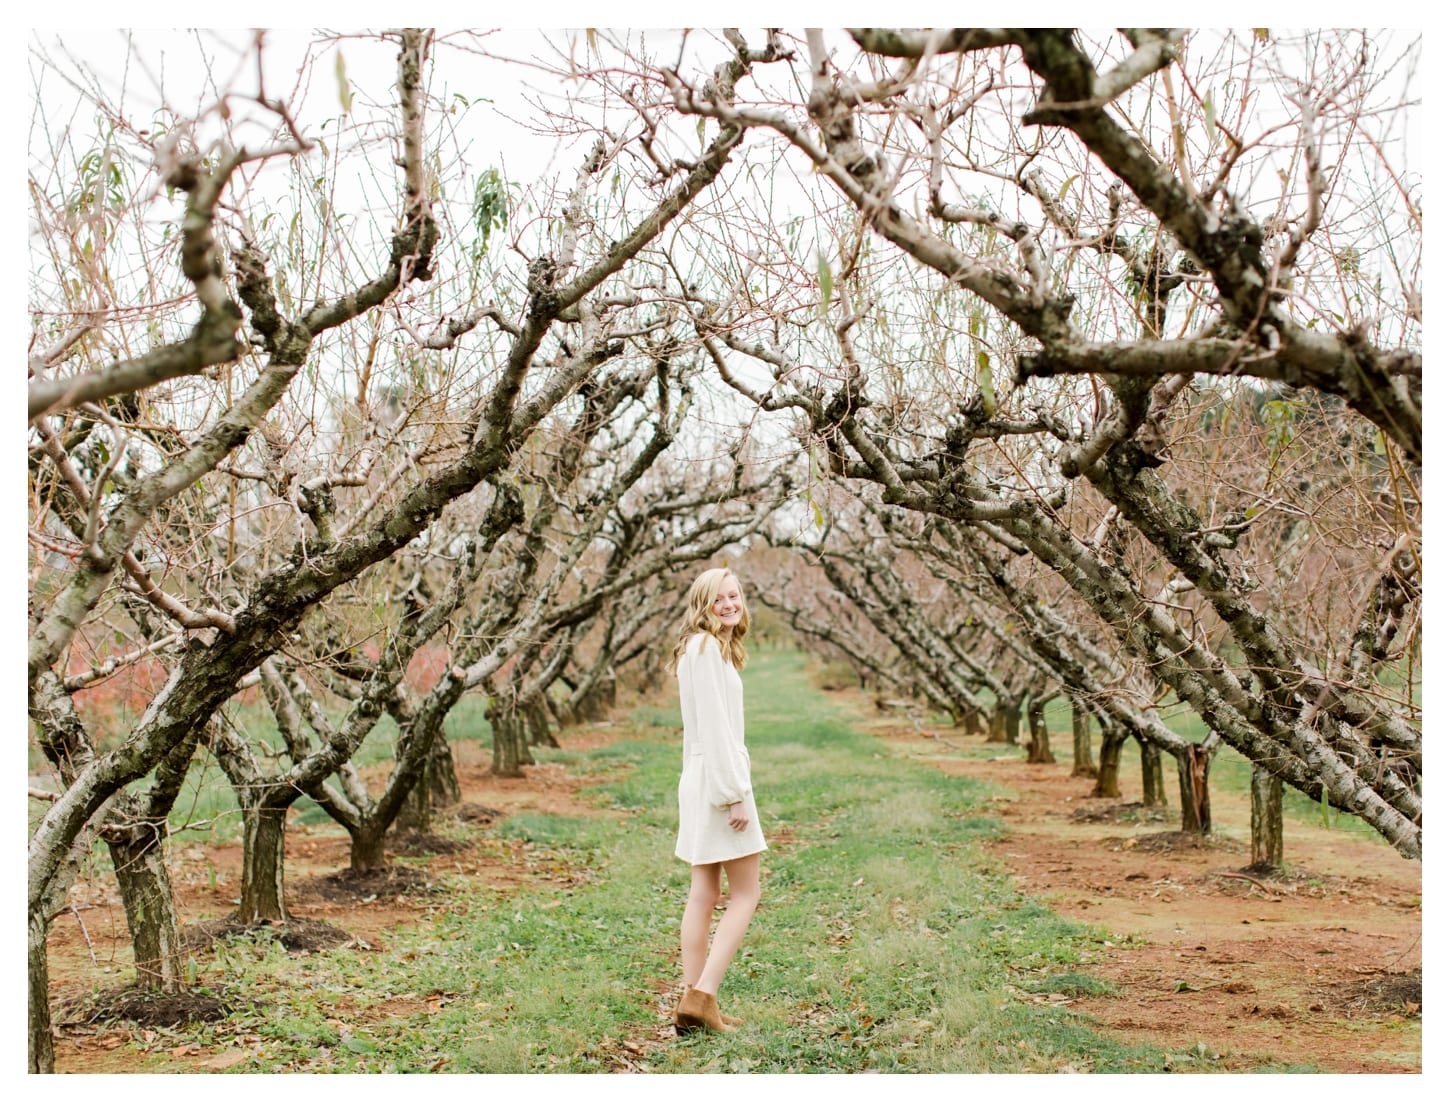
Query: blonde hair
{"x": 700, "y": 616}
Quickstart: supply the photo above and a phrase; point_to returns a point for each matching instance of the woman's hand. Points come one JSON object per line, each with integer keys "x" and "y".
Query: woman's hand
{"x": 738, "y": 819}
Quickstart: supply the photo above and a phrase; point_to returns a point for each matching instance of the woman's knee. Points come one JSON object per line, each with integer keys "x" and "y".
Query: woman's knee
{"x": 704, "y": 898}
{"x": 745, "y": 893}
{"x": 745, "y": 885}
{"x": 705, "y": 887}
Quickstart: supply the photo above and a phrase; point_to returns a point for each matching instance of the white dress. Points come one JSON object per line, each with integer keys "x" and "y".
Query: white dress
{"x": 716, "y": 770}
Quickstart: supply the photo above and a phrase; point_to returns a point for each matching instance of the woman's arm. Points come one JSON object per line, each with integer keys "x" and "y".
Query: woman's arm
{"x": 702, "y": 674}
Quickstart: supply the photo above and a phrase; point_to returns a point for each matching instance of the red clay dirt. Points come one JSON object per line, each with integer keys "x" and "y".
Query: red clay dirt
{"x": 1318, "y": 967}
{"x": 89, "y": 947}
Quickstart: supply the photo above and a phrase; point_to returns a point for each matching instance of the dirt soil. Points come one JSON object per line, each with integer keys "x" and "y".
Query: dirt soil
{"x": 104, "y": 1026}
{"x": 1217, "y": 967}
{"x": 1319, "y": 966}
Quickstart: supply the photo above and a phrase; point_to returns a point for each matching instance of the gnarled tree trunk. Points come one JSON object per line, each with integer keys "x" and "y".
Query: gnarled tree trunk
{"x": 150, "y": 903}
{"x": 435, "y": 790}
{"x": 594, "y": 704}
{"x": 40, "y": 1045}
{"x": 1082, "y": 742}
{"x": 1109, "y": 756}
{"x": 972, "y": 723}
{"x": 1151, "y": 759}
{"x": 1193, "y": 789}
{"x": 510, "y": 739}
{"x": 1006, "y": 719}
{"x": 264, "y": 836}
{"x": 444, "y": 789}
{"x": 1266, "y": 821}
{"x": 535, "y": 715}
{"x": 1039, "y": 746}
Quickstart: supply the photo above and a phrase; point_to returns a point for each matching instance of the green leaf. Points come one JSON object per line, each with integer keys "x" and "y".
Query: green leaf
{"x": 490, "y": 204}
{"x": 344, "y": 91}
{"x": 823, "y": 275}
{"x": 1261, "y": 33}
{"x": 700, "y": 131}
{"x": 984, "y": 382}
{"x": 1062, "y": 191}
{"x": 1210, "y": 120}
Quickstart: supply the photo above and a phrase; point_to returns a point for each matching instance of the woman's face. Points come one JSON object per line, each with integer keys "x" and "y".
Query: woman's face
{"x": 728, "y": 605}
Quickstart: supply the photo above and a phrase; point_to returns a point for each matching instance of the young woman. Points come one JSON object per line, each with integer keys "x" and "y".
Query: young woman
{"x": 719, "y": 826}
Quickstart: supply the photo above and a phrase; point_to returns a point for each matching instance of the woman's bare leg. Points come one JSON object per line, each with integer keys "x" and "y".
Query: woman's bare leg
{"x": 744, "y": 876}
{"x": 695, "y": 926}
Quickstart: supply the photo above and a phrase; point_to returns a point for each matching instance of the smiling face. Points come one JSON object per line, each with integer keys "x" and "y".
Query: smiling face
{"x": 728, "y": 604}
{"x": 716, "y": 606}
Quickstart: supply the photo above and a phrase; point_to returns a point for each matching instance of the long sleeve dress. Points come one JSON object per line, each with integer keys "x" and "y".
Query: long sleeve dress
{"x": 716, "y": 769}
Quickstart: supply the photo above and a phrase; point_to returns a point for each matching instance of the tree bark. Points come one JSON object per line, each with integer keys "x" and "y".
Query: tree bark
{"x": 1266, "y": 821}
{"x": 1006, "y": 719}
{"x": 1193, "y": 789}
{"x": 997, "y": 722}
{"x": 1012, "y": 718}
{"x": 1151, "y": 757}
{"x": 1039, "y": 746}
{"x": 136, "y": 836}
{"x": 444, "y": 789}
{"x": 1108, "y": 757}
{"x": 536, "y": 720}
{"x": 366, "y": 852}
{"x": 436, "y": 789}
{"x": 264, "y": 835}
{"x": 1082, "y": 742}
{"x": 150, "y": 904}
{"x": 595, "y": 704}
{"x": 416, "y": 811}
{"x": 40, "y": 1045}
{"x": 510, "y": 740}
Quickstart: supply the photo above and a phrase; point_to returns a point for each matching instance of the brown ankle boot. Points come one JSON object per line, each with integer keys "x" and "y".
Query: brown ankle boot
{"x": 698, "y": 1010}
{"x": 728, "y": 1019}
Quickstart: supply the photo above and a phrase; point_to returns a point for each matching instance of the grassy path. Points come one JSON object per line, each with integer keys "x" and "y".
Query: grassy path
{"x": 887, "y": 940}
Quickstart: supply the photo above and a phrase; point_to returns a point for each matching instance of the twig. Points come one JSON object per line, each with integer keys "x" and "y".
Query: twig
{"x": 1251, "y": 880}
{"x": 84, "y": 933}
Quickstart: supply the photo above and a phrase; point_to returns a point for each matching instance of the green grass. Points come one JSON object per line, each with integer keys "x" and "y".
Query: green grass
{"x": 887, "y": 938}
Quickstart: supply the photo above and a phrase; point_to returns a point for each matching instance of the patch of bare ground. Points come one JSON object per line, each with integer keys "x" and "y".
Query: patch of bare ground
{"x": 1317, "y": 966}
{"x": 104, "y": 1024}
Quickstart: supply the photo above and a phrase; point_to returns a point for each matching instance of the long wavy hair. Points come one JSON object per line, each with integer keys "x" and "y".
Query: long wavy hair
{"x": 700, "y": 616}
